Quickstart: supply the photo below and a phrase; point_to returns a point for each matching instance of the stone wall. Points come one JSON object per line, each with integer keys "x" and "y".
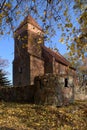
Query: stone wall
{"x": 48, "y": 62}
{"x": 50, "y": 90}
{"x": 21, "y": 71}
{"x": 47, "y": 90}
{"x": 36, "y": 68}
{"x": 81, "y": 92}
{"x": 17, "y": 94}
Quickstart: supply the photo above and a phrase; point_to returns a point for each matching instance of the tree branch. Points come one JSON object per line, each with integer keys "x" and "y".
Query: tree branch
{"x": 1, "y": 6}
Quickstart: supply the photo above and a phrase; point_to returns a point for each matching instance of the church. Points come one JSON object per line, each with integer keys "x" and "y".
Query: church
{"x": 32, "y": 58}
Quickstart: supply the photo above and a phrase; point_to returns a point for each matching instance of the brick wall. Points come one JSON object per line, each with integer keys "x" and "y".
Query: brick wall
{"x": 48, "y": 62}
{"x": 21, "y": 71}
{"x": 36, "y": 68}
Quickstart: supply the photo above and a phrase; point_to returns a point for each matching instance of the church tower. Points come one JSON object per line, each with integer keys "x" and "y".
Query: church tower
{"x": 28, "y": 62}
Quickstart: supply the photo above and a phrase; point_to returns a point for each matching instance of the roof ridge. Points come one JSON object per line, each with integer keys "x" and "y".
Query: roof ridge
{"x": 62, "y": 57}
{"x": 64, "y": 61}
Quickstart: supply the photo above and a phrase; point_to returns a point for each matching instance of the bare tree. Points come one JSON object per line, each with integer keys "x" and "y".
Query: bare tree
{"x": 3, "y": 63}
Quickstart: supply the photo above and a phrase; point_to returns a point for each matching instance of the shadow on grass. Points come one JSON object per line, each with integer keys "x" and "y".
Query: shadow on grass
{"x": 6, "y": 128}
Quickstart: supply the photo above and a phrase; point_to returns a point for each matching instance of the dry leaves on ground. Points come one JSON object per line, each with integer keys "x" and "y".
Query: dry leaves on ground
{"x": 16, "y": 116}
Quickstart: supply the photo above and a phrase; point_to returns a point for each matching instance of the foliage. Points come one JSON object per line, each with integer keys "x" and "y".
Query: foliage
{"x": 31, "y": 116}
{"x": 52, "y": 15}
{"x": 3, "y": 74}
{"x": 81, "y": 39}
{"x": 81, "y": 68}
{"x": 3, "y": 79}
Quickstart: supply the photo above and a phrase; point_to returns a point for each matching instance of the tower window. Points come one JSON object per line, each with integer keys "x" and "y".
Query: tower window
{"x": 20, "y": 69}
{"x": 66, "y": 82}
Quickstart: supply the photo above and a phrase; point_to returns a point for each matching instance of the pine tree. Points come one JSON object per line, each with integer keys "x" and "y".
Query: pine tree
{"x": 4, "y": 82}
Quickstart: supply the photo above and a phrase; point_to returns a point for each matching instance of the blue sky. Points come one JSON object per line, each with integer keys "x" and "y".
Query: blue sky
{"x": 7, "y": 50}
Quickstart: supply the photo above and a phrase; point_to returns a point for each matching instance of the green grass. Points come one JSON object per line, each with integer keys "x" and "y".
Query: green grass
{"x": 16, "y": 116}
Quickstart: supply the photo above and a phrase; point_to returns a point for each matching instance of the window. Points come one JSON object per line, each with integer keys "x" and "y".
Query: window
{"x": 66, "y": 82}
{"x": 20, "y": 69}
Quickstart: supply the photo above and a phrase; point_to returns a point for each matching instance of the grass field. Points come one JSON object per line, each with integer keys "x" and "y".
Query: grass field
{"x": 17, "y": 116}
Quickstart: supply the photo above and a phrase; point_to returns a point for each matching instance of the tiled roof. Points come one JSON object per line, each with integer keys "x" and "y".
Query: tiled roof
{"x": 58, "y": 57}
{"x": 30, "y": 20}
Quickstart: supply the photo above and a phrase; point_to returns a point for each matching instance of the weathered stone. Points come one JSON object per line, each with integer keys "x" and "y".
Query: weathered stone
{"x": 50, "y": 91}
{"x": 47, "y": 90}
{"x": 17, "y": 94}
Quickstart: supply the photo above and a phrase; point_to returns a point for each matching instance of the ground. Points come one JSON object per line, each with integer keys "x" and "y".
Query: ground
{"x": 17, "y": 116}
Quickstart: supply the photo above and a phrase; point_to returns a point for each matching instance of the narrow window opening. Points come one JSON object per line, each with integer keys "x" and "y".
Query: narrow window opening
{"x": 20, "y": 69}
{"x": 66, "y": 82}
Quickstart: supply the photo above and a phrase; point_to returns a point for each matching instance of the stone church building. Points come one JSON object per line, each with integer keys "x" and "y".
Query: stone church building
{"x": 32, "y": 58}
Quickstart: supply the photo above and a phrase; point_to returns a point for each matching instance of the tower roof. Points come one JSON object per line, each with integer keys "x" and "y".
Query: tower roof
{"x": 29, "y": 19}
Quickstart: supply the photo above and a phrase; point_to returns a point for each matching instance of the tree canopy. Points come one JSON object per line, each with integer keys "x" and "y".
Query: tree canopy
{"x": 67, "y": 16}
{"x": 3, "y": 79}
